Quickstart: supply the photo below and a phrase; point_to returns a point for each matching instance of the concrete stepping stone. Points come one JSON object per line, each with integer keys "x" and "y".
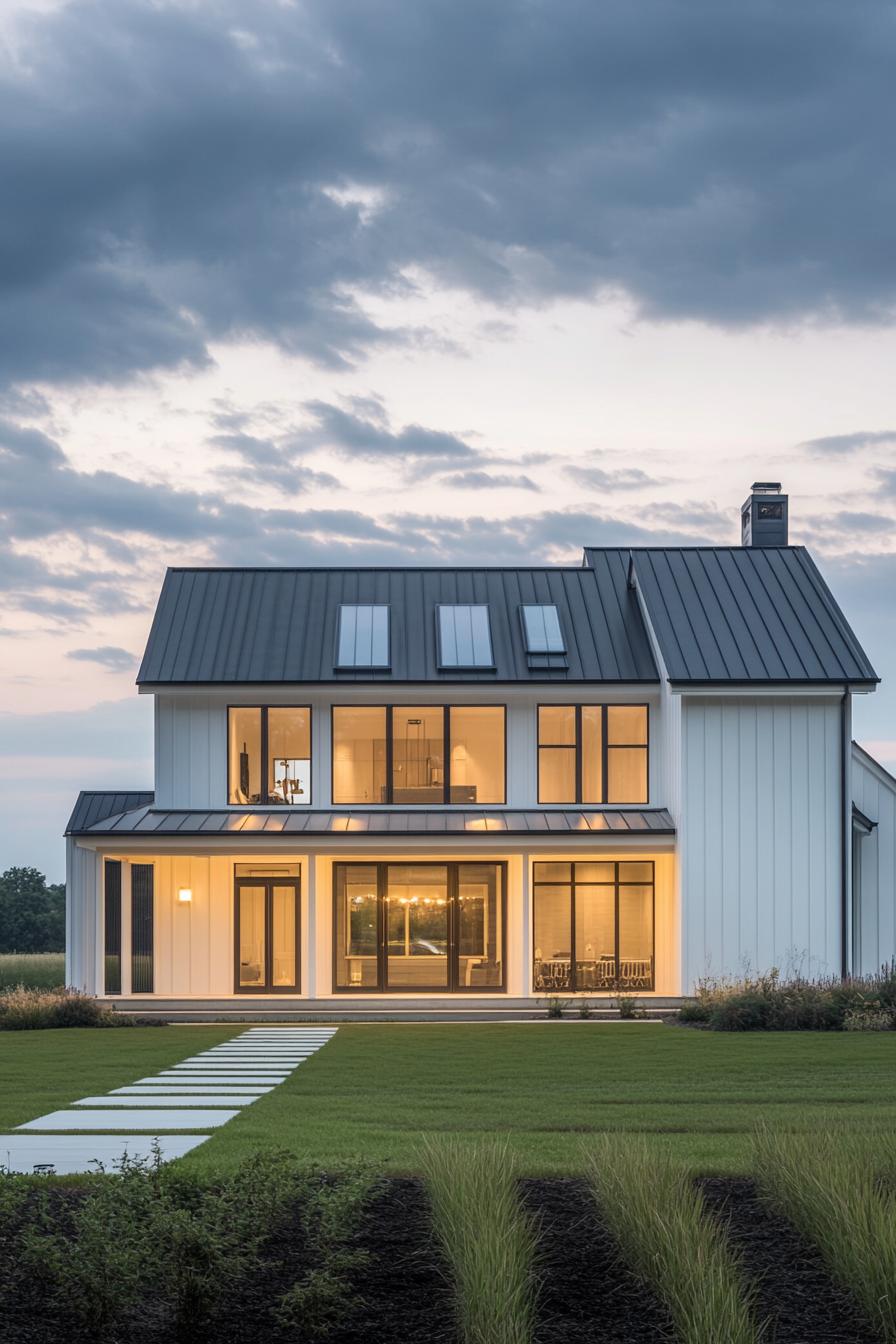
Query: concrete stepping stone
{"x": 217, "y": 1080}
{"x": 153, "y": 1086}
{"x": 127, "y": 1119}
{"x": 71, "y": 1154}
{"x": 165, "y": 1099}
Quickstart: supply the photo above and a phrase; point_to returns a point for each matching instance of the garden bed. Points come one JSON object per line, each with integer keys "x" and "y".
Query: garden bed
{"x": 588, "y": 1293}
{"x": 794, "y": 1289}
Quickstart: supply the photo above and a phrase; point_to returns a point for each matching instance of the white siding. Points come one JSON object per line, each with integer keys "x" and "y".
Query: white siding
{"x": 874, "y": 899}
{"x": 760, "y": 835}
{"x": 83, "y": 917}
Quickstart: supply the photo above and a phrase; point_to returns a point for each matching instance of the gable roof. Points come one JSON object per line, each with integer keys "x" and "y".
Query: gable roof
{"x": 736, "y": 614}
{"x": 94, "y": 806}
{"x": 229, "y": 626}
{"x": 720, "y": 614}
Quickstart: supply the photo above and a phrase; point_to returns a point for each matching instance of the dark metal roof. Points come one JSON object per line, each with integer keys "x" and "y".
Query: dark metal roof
{"x": 94, "y": 806}
{"x": 230, "y": 626}
{"x": 741, "y": 614}
{"x": 146, "y": 820}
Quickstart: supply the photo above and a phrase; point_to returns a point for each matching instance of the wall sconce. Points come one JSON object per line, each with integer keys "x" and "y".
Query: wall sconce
{"x": 185, "y": 895}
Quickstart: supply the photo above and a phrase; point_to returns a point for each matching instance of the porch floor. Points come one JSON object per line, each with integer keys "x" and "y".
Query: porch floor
{"x": 603, "y": 1009}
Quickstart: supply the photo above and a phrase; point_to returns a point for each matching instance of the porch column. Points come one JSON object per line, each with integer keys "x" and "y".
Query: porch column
{"x": 309, "y": 940}
{"x": 525, "y": 941}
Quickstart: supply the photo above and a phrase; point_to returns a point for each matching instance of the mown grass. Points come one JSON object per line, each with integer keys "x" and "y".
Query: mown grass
{"x": 42, "y": 1071}
{"x": 486, "y": 1236}
{"x": 37, "y": 970}
{"x": 658, "y": 1218}
{"x": 376, "y": 1090}
{"x": 836, "y": 1187}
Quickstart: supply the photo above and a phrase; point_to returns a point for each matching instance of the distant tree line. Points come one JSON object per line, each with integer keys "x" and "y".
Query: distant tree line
{"x": 32, "y": 912}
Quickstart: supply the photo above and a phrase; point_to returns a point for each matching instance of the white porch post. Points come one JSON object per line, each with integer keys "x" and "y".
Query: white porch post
{"x": 309, "y": 941}
{"x": 525, "y": 942}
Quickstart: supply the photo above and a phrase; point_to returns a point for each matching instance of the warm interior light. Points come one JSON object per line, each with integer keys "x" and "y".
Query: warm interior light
{"x": 185, "y": 895}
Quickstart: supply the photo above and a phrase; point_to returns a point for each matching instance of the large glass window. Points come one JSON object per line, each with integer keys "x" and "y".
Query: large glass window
{"x": 592, "y": 754}
{"x": 418, "y": 926}
{"x": 363, "y": 639}
{"x": 266, "y": 929}
{"x": 359, "y": 754}
{"x": 593, "y": 926}
{"x": 269, "y": 750}
{"x": 418, "y": 754}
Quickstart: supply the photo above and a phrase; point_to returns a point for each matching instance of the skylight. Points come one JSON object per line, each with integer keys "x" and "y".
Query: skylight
{"x": 464, "y": 636}
{"x": 541, "y": 626}
{"x": 363, "y": 636}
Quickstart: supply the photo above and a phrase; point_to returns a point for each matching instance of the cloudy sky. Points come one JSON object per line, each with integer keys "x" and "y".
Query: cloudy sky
{"x": 422, "y": 281}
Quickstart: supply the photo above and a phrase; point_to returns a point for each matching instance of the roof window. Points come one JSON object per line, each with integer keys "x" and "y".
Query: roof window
{"x": 465, "y": 638}
{"x": 363, "y": 639}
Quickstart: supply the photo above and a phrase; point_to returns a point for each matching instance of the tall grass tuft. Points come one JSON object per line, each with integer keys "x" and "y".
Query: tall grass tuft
{"x": 34, "y": 970}
{"x": 32, "y": 1009}
{"x": 772, "y": 1002}
{"x": 658, "y": 1218}
{"x": 836, "y": 1187}
{"x": 487, "y": 1237}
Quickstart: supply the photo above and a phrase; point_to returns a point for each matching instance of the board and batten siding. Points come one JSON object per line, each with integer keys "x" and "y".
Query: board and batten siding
{"x": 874, "y": 893}
{"x": 760, "y": 835}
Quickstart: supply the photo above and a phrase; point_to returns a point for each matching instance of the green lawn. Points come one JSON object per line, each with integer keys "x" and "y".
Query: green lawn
{"x": 375, "y": 1089}
{"x": 42, "y": 1071}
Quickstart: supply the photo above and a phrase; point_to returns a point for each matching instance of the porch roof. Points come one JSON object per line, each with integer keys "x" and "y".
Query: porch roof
{"x": 146, "y": 819}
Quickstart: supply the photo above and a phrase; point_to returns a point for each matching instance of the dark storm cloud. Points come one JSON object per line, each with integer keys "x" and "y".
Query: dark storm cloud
{"x": 107, "y": 655}
{"x": 176, "y": 174}
{"x": 844, "y": 444}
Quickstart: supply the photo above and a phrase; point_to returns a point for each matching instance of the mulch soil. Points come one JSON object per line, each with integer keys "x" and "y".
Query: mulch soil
{"x": 794, "y": 1289}
{"x": 404, "y": 1291}
{"x": 588, "y": 1294}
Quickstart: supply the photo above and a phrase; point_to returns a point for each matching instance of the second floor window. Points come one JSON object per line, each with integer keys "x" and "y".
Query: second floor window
{"x": 592, "y": 754}
{"x": 418, "y": 754}
{"x": 269, "y": 754}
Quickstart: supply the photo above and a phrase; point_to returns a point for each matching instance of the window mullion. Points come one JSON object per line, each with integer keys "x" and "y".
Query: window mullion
{"x": 265, "y": 797}
{"x": 578, "y": 753}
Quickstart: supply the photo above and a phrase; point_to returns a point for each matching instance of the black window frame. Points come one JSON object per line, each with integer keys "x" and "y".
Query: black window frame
{"x": 266, "y": 800}
{"x": 382, "y": 933}
{"x": 605, "y": 749}
{"x": 446, "y": 737}
{"x": 143, "y": 878}
{"x": 112, "y": 940}
{"x": 338, "y": 665}
{"x": 616, "y": 884}
{"x": 294, "y": 881}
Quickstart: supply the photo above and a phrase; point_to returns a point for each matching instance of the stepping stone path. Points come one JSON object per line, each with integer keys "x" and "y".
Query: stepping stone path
{"x": 200, "y": 1093}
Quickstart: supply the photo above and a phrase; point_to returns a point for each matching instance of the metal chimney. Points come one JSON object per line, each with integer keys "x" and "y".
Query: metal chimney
{"x": 763, "y": 518}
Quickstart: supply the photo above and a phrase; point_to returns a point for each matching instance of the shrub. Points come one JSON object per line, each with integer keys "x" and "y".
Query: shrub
{"x": 30, "y": 1009}
{"x": 583, "y": 1007}
{"x": 153, "y": 1252}
{"x": 487, "y": 1237}
{"x": 772, "y": 1003}
{"x": 658, "y": 1218}
{"x": 829, "y": 1185}
{"x": 555, "y": 1006}
{"x": 628, "y": 1006}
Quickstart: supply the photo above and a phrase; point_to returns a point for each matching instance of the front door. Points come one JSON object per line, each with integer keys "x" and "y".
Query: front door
{"x": 266, "y": 929}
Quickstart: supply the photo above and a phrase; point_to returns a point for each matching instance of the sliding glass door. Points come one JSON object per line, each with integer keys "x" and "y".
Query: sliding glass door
{"x": 425, "y": 927}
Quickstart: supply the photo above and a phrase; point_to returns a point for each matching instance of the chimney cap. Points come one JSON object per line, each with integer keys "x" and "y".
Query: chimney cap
{"x": 766, "y": 487}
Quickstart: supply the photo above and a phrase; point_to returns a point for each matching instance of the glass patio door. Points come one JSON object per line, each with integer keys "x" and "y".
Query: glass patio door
{"x": 424, "y": 927}
{"x": 266, "y": 930}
